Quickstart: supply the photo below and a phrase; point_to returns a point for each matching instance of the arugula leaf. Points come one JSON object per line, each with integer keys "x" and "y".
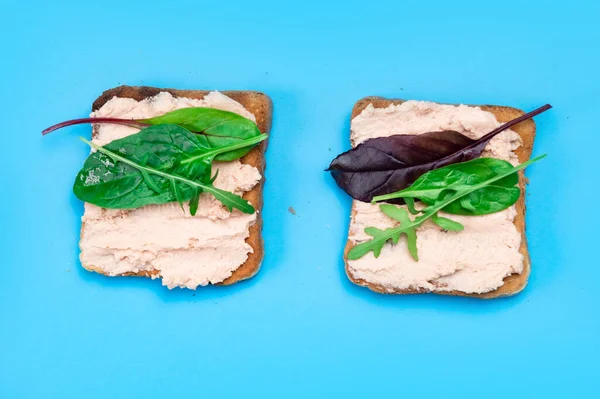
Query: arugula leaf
{"x": 160, "y": 164}
{"x": 410, "y": 205}
{"x": 446, "y": 224}
{"x": 230, "y": 200}
{"x": 401, "y": 215}
{"x": 380, "y": 237}
{"x": 194, "y": 201}
{"x": 441, "y": 188}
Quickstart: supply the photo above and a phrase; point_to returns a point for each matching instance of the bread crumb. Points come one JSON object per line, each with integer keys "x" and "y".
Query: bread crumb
{"x": 292, "y": 211}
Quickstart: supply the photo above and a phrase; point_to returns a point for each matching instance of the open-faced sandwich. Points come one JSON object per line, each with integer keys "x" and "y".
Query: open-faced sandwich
{"x": 173, "y": 185}
{"x": 438, "y": 197}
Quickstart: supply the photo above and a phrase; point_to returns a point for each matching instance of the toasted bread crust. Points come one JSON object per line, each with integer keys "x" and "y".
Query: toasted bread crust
{"x": 256, "y": 103}
{"x": 514, "y": 283}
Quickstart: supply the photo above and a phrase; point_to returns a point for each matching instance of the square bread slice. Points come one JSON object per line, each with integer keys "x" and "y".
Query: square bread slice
{"x": 514, "y": 283}
{"x": 256, "y": 103}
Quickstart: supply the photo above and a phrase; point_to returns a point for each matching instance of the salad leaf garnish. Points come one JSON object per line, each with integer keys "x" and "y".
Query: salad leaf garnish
{"x": 159, "y": 164}
{"x": 477, "y": 187}
{"x": 385, "y": 165}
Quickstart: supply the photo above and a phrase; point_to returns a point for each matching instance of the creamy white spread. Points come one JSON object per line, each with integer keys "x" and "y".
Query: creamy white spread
{"x": 184, "y": 250}
{"x": 475, "y": 260}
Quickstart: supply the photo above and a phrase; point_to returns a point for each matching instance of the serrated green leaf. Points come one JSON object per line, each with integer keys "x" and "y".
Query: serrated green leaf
{"x": 380, "y": 237}
{"x": 150, "y": 182}
{"x": 230, "y": 200}
{"x": 411, "y": 240}
{"x": 194, "y": 201}
{"x": 373, "y": 231}
{"x": 360, "y": 250}
{"x": 446, "y": 223}
{"x": 395, "y": 212}
{"x": 410, "y": 205}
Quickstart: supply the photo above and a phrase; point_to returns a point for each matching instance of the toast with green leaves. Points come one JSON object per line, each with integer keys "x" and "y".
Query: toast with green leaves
{"x": 511, "y": 284}
{"x": 257, "y": 104}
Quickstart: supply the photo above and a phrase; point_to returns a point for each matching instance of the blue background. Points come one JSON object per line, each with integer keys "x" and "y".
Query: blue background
{"x": 299, "y": 328}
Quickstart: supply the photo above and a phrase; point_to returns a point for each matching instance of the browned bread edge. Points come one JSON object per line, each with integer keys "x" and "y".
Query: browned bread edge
{"x": 514, "y": 283}
{"x": 256, "y": 103}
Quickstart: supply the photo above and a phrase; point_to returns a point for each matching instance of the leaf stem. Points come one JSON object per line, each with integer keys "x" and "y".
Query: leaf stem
{"x": 502, "y": 128}
{"x": 518, "y": 120}
{"x": 116, "y": 121}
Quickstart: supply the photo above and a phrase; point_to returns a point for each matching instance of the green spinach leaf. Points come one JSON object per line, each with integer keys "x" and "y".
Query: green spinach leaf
{"x": 433, "y": 186}
{"x": 219, "y": 128}
{"x": 160, "y": 164}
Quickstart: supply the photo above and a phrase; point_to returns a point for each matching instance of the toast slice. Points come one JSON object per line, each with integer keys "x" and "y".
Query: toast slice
{"x": 256, "y": 103}
{"x": 514, "y": 283}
